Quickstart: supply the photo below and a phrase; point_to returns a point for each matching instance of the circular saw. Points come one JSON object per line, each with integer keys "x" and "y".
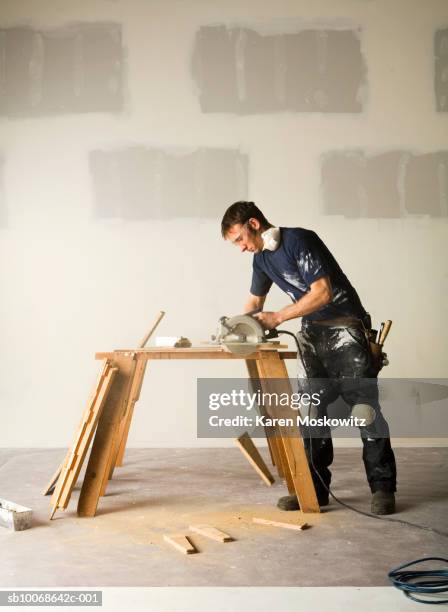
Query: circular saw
{"x": 241, "y": 334}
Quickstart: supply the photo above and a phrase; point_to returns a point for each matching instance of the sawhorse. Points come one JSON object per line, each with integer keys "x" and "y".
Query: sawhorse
{"x": 111, "y": 408}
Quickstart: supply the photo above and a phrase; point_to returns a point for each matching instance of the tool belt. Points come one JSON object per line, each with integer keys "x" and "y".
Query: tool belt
{"x": 338, "y": 322}
{"x": 379, "y": 358}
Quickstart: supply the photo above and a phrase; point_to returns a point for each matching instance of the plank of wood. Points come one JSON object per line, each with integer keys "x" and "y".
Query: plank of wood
{"x": 255, "y": 386}
{"x": 275, "y": 442}
{"x": 292, "y": 526}
{"x": 51, "y": 484}
{"x": 189, "y": 353}
{"x": 120, "y": 432}
{"x": 49, "y": 489}
{"x": 180, "y": 543}
{"x": 250, "y": 451}
{"x": 211, "y": 348}
{"x": 211, "y": 532}
{"x": 111, "y": 450}
{"x": 99, "y": 459}
{"x": 76, "y": 455}
{"x": 287, "y": 476}
{"x": 274, "y": 378}
{"x": 151, "y": 330}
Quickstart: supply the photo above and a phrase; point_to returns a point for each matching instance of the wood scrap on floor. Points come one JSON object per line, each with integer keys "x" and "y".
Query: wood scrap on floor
{"x": 181, "y": 543}
{"x": 293, "y": 526}
{"x": 212, "y": 533}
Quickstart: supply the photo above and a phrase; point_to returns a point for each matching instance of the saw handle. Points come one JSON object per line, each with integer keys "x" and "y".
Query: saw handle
{"x": 271, "y": 333}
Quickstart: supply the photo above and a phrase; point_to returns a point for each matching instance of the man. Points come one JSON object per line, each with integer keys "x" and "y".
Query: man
{"x": 333, "y": 343}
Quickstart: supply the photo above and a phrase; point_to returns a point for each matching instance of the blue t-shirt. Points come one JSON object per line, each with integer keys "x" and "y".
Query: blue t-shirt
{"x": 301, "y": 259}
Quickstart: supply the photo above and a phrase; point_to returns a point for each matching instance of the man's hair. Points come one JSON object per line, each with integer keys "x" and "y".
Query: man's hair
{"x": 241, "y": 212}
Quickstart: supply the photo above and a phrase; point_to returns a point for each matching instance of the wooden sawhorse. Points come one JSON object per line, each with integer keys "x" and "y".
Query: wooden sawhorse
{"x": 111, "y": 409}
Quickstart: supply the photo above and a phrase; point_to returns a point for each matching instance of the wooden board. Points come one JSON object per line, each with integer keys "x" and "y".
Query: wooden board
{"x": 274, "y": 379}
{"x": 287, "y": 475}
{"x": 255, "y": 386}
{"x": 113, "y": 412}
{"x": 212, "y": 533}
{"x": 49, "y": 489}
{"x": 250, "y": 451}
{"x": 122, "y": 428}
{"x": 272, "y": 434}
{"x": 76, "y": 455}
{"x": 275, "y": 442}
{"x": 292, "y": 526}
{"x": 190, "y": 353}
{"x": 51, "y": 484}
{"x": 180, "y": 543}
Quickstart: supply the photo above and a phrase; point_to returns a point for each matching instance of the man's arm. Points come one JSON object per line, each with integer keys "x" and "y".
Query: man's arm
{"x": 319, "y": 295}
{"x": 254, "y": 302}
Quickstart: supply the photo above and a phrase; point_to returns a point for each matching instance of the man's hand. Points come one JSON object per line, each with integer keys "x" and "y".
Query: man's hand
{"x": 269, "y": 320}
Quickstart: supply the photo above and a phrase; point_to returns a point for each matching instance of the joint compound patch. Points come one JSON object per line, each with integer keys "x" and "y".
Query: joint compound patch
{"x": 239, "y": 70}
{"x": 72, "y": 69}
{"x": 388, "y": 185}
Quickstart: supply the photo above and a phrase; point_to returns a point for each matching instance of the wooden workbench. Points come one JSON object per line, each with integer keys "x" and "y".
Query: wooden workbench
{"x": 109, "y": 414}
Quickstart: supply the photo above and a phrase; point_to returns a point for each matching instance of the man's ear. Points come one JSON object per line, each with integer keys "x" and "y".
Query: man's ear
{"x": 254, "y": 223}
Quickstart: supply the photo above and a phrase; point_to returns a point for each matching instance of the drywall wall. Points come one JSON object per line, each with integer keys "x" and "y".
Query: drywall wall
{"x": 140, "y": 183}
{"x": 126, "y": 128}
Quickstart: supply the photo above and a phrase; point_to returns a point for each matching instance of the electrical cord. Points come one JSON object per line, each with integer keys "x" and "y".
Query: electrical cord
{"x": 414, "y": 582}
{"x": 330, "y": 492}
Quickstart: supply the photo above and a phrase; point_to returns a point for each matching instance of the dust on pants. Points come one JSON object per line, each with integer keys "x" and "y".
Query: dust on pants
{"x": 336, "y": 361}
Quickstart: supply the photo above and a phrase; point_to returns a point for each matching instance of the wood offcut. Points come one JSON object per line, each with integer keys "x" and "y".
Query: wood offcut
{"x": 269, "y": 523}
{"x": 211, "y": 532}
{"x": 181, "y": 543}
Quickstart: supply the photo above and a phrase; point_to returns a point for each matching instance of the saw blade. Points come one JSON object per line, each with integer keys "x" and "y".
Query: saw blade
{"x": 241, "y": 348}
{"x": 244, "y": 329}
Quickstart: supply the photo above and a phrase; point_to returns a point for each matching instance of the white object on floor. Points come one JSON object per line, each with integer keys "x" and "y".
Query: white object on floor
{"x": 13, "y": 516}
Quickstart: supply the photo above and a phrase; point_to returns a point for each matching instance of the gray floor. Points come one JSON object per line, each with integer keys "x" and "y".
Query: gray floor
{"x": 161, "y": 491}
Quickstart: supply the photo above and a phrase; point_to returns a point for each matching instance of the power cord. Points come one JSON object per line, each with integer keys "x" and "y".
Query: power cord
{"x": 414, "y": 582}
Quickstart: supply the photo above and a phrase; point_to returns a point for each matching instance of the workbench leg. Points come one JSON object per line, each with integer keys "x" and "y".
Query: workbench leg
{"x": 125, "y": 424}
{"x": 252, "y": 454}
{"x": 122, "y": 429}
{"x": 274, "y": 441}
{"x": 113, "y": 411}
{"x": 274, "y": 379}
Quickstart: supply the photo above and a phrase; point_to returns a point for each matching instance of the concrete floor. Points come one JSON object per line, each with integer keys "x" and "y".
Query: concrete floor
{"x": 161, "y": 491}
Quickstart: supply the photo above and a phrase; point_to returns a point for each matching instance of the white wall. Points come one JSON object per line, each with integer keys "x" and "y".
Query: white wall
{"x": 73, "y": 284}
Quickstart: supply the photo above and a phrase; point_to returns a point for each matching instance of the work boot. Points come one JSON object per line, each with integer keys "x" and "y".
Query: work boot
{"x": 383, "y": 502}
{"x": 290, "y": 502}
